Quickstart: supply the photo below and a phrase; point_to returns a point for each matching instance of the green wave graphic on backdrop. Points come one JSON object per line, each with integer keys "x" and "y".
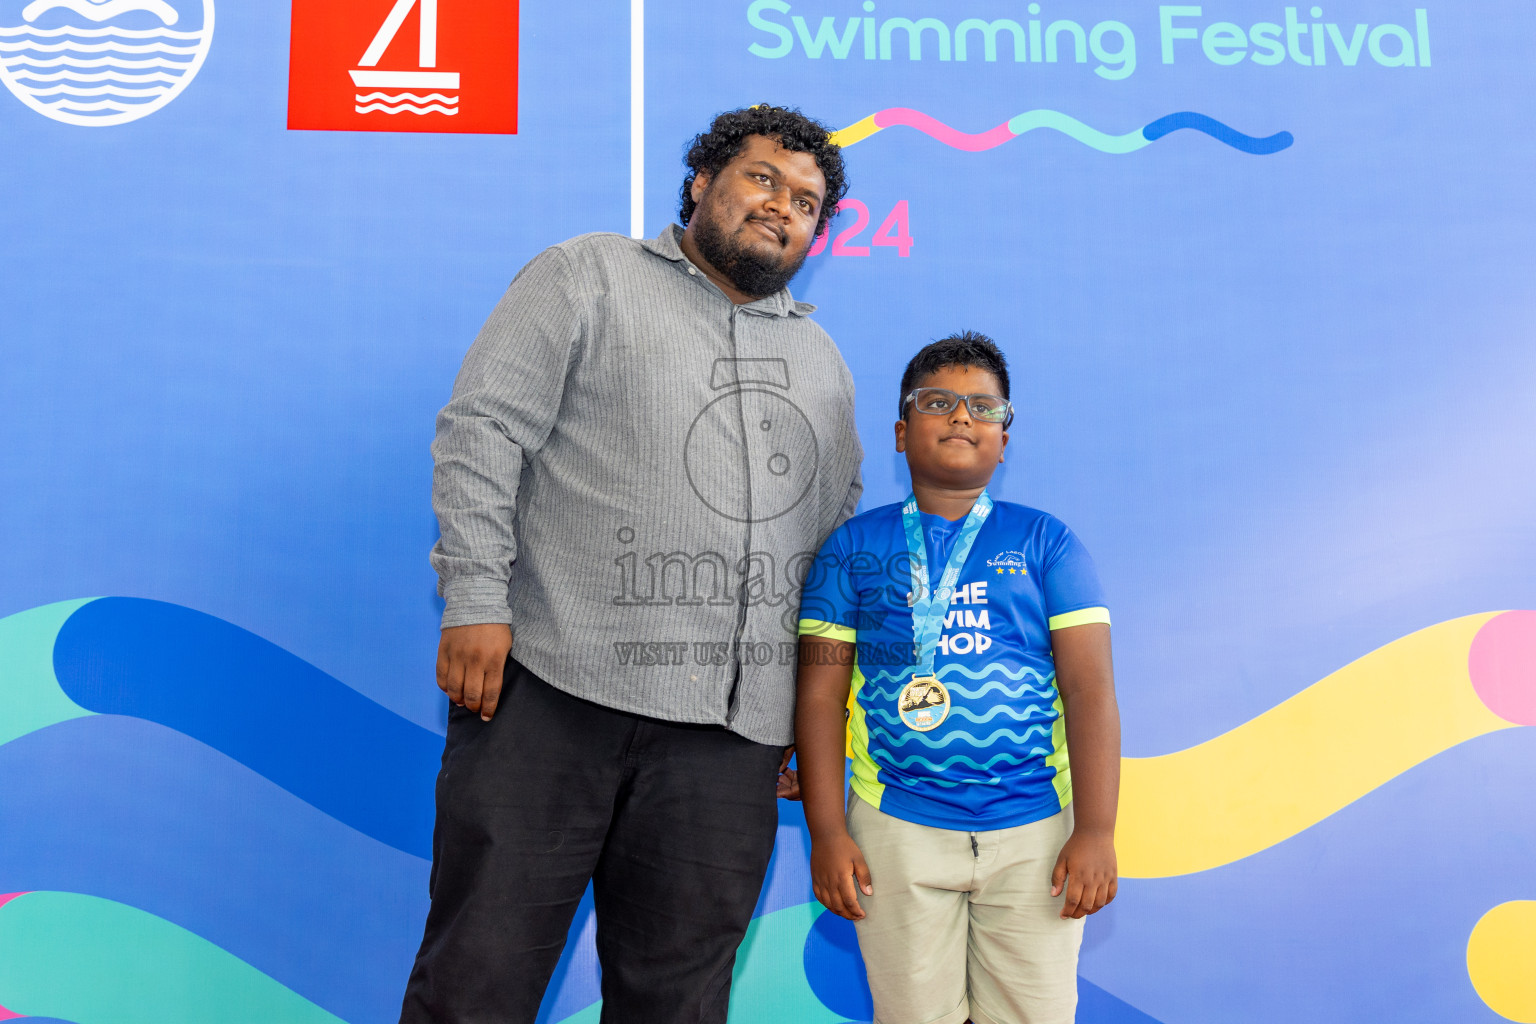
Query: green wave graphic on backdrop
{"x": 93, "y": 961}
{"x": 30, "y": 696}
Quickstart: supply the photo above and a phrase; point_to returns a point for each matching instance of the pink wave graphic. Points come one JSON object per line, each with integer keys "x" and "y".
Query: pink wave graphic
{"x": 1502, "y": 664}
{"x": 944, "y": 133}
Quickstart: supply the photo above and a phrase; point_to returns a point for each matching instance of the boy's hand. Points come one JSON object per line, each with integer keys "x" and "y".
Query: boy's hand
{"x": 1086, "y": 867}
{"x": 788, "y": 787}
{"x": 835, "y": 864}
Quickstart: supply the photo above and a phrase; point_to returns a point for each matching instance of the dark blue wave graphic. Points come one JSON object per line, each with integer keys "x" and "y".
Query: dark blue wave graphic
{"x": 133, "y": 812}
{"x": 1096, "y": 1006}
{"x": 1218, "y": 131}
{"x": 222, "y": 782}
{"x": 275, "y": 715}
{"x": 251, "y": 700}
{"x": 835, "y": 970}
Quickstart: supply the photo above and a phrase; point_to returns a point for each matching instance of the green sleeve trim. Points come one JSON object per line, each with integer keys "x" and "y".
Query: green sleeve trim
{"x": 1078, "y": 618}
{"x": 828, "y": 630}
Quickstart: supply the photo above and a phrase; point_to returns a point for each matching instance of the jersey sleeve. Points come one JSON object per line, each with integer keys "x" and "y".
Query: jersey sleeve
{"x": 1073, "y": 594}
{"x": 828, "y": 604}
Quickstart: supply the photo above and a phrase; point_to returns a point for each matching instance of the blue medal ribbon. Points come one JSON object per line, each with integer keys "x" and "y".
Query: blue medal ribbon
{"x": 930, "y": 606}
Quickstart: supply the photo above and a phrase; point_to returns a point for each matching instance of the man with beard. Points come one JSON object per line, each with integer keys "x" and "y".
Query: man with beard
{"x": 645, "y": 443}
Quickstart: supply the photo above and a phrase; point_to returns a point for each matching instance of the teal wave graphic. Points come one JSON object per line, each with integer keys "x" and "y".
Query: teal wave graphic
{"x": 1022, "y": 690}
{"x": 995, "y": 670}
{"x": 1074, "y": 129}
{"x": 95, "y": 961}
{"x": 1055, "y": 120}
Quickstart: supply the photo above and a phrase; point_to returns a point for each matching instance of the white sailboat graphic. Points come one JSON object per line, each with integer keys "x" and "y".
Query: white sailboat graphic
{"x": 444, "y": 97}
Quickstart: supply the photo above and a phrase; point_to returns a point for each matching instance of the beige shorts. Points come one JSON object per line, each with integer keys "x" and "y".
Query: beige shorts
{"x": 955, "y": 931}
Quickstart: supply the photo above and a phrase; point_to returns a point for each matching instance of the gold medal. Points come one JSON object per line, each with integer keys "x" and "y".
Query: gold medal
{"x": 924, "y": 703}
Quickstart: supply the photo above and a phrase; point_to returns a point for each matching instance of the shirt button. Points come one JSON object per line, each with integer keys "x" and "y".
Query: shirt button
{"x": 693, "y": 270}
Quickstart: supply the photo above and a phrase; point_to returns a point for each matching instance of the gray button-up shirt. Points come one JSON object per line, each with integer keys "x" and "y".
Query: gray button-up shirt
{"x": 634, "y": 472}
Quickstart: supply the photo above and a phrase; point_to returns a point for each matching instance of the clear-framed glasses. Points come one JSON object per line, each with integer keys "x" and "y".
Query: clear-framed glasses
{"x": 942, "y": 402}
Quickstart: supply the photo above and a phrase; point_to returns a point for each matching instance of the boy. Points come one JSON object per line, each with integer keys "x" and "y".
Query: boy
{"x": 975, "y": 637}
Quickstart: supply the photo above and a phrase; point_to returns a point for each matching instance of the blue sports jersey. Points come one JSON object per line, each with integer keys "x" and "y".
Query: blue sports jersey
{"x": 999, "y": 758}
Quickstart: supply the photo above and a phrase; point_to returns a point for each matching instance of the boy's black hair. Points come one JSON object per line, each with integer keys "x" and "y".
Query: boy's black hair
{"x": 710, "y": 151}
{"x": 965, "y": 348}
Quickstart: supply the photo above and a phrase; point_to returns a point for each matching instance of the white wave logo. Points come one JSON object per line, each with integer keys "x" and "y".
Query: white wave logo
{"x": 403, "y": 102}
{"x": 102, "y": 62}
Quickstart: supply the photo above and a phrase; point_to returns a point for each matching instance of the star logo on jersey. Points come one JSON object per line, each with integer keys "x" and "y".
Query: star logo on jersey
{"x": 403, "y": 66}
{"x": 1009, "y": 562}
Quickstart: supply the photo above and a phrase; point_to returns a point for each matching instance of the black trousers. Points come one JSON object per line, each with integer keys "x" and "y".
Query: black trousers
{"x": 673, "y": 825}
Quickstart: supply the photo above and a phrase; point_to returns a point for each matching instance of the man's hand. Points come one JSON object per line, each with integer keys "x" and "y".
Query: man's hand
{"x": 1087, "y": 868}
{"x": 470, "y": 662}
{"x": 788, "y": 787}
{"x": 835, "y": 864}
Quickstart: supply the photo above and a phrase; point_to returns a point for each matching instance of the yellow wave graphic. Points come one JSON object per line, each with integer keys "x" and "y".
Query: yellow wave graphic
{"x": 1329, "y": 745}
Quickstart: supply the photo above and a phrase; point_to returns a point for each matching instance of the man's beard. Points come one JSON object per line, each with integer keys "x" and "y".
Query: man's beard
{"x": 750, "y": 271}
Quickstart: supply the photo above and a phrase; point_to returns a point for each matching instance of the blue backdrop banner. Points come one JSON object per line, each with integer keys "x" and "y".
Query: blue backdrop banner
{"x": 1267, "y": 282}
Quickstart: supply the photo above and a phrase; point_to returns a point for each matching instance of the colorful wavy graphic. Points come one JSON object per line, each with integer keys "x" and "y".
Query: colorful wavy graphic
{"x": 1067, "y": 125}
{"x": 131, "y": 811}
{"x": 1339, "y": 739}
{"x": 113, "y": 728}
{"x": 343, "y": 754}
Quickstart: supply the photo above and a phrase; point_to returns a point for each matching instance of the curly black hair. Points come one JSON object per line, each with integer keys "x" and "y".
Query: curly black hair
{"x": 965, "y": 348}
{"x": 710, "y": 151}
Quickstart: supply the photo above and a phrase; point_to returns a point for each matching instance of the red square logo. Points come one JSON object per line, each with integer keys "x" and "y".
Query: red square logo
{"x": 403, "y": 66}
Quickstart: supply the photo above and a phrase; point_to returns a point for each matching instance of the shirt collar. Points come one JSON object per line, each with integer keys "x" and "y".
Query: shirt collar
{"x": 781, "y": 303}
